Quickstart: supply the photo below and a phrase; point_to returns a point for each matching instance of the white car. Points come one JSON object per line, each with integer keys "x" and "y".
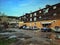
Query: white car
{"x": 57, "y": 30}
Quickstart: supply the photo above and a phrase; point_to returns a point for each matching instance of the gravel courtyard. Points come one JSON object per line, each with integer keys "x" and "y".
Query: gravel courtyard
{"x": 32, "y": 37}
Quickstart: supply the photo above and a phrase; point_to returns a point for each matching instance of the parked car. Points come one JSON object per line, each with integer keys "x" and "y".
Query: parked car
{"x": 27, "y": 28}
{"x": 45, "y": 29}
{"x": 35, "y": 28}
{"x": 23, "y": 27}
{"x": 31, "y": 28}
{"x": 57, "y": 29}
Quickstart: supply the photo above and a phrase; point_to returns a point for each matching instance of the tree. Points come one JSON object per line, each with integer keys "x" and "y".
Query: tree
{"x": 4, "y": 20}
{"x": 3, "y": 17}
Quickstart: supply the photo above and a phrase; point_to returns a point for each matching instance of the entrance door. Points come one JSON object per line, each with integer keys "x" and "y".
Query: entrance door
{"x": 46, "y": 25}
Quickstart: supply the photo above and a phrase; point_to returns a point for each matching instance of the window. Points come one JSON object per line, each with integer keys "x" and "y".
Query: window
{"x": 30, "y": 19}
{"x": 27, "y": 19}
{"x": 34, "y": 14}
{"x": 40, "y": 17}
{"x": 39, "y": 11}
{"x": 54, "y": 14}
{"x": 34, "y": 18}
{"x": 46, "y": 10}
{"x": 24, "y": 17}
{"x": 30, "y": 15}
{"x": 54, "y": 7}
{"x": 20, "y": 18}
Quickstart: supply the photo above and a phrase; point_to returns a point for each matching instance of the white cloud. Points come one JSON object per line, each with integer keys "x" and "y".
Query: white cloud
{"x": 27, "y": 3}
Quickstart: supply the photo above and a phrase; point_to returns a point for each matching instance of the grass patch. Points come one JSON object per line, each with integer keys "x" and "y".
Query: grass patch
{"x": 6, "y": 41}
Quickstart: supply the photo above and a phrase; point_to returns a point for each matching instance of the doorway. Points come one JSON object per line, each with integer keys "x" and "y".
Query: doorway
{"x": 48, "y": 25}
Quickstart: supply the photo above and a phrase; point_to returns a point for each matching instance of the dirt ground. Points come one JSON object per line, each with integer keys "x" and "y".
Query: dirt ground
{"x": 38, "y": 38}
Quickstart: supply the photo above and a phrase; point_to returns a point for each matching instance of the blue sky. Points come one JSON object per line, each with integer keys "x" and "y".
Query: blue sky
{"x": 20, "y": 7}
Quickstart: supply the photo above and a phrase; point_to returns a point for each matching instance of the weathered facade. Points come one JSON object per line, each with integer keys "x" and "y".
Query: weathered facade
{"x": 48, "y": 16}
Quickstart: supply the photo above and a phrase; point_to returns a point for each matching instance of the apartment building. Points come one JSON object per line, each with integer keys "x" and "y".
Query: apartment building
{"x": 48, "y": 16}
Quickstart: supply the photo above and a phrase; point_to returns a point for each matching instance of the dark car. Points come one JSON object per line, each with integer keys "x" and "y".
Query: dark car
{"x": 45, "y": 29}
